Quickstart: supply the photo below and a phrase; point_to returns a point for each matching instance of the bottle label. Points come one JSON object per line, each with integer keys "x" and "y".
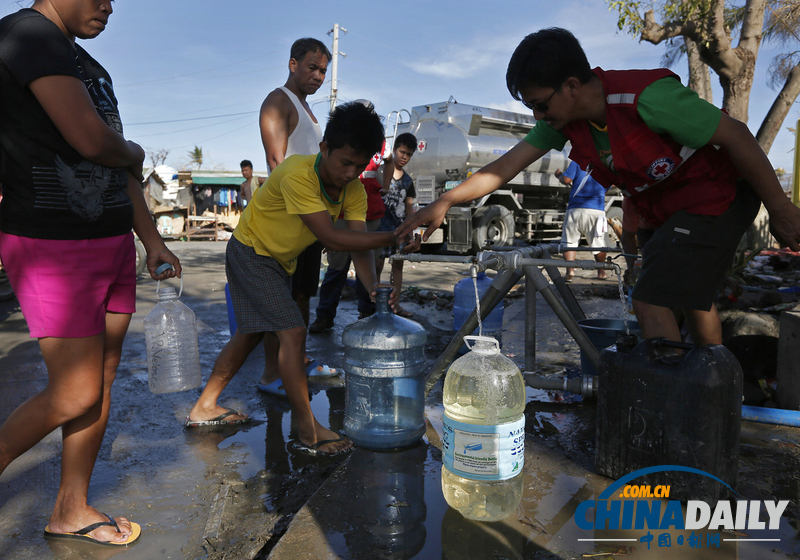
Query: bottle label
{"x": 484, "y": 452}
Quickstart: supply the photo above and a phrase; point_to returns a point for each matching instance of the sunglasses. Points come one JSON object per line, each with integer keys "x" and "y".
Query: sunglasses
{"x": 541, "y": 107}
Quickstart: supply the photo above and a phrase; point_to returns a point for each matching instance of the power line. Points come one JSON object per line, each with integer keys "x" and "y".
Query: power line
{"x": 194, "y": 119}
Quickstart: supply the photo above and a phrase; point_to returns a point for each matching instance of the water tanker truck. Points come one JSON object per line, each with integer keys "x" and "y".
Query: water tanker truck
{"x": 453, "y": 141}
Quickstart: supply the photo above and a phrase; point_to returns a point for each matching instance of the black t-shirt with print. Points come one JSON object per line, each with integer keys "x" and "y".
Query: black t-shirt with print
{"x": 49, "y": 190}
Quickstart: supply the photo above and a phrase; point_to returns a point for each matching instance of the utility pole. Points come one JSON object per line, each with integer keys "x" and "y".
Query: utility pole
{"x": 335, "y": 61}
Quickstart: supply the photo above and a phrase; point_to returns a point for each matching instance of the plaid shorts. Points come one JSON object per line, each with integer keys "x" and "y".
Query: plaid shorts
{"x": 261, "y": 291}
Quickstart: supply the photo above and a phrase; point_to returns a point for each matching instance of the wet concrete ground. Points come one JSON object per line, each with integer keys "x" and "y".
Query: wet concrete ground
{"x": 243, "y": 493}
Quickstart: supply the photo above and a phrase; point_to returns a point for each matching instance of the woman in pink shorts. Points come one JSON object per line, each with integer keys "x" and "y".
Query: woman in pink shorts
{"x": 71, "y": 195}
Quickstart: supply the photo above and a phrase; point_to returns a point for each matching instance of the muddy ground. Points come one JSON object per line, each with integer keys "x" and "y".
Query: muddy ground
{"x": 234, "y": 493}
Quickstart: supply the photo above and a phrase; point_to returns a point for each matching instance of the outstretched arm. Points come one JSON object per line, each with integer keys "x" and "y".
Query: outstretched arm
{"x": 69, "y": 106}
{"x": 754, "y": 166}
{"x": 488, "y": 179}
{"x": 345, "y": 239}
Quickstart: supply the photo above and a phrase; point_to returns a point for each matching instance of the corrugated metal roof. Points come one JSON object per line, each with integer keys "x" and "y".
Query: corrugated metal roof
{"x": 218, "y": 180}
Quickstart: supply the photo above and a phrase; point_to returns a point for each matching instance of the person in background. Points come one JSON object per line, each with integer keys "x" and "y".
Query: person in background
{"x": 399, "y": 200}
{"x": 251, "y": 182}
{"x": 289, "y": 127}
{"x": 586, "y": 215}
{"x": 69, "y": 204}
{"x": 691, "y": 171}
{"x": 298, "y": 204}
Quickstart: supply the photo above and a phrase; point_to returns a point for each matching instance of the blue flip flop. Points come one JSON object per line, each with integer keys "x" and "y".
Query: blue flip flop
{"x": 275, "y": 388}
{"x": 316, "y": 369}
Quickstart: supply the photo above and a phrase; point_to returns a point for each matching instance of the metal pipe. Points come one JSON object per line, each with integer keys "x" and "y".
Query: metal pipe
{"x": 566, "y": 294}
{"x": 418, "y": 257}
{"x": 530, "y": 324}
{"x": 584, "y": 385}
{"x": 499, "y": 287}
{"x": 572, "y": 326}
{"x": 585, "y": 265}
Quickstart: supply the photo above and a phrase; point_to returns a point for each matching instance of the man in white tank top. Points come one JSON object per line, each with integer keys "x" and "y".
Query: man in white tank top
{"x": 288, "y": 127}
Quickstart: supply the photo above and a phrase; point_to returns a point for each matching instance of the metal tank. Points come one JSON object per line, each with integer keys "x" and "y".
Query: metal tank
{"x": 453, "y": 141}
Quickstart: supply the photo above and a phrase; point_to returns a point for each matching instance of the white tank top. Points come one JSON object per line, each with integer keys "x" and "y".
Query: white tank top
{"x": 307, "y": 135}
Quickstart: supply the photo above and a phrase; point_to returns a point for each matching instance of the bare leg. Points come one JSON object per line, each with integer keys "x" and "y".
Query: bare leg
{"x": 569, "y": 256}
{"x": 270, "y": 373}
{"x": 397, "y": 284}
{"x": 293, "y": 375}
{"x": 656, "y": 321}
{"x": 378, "y": 267}
{"x": 601, "y": 258}
{"x": 228, "y": 363}
{"x": 704, "y": 326}
{"x": 271, "y": 343}
{"x": 83, "y": 437}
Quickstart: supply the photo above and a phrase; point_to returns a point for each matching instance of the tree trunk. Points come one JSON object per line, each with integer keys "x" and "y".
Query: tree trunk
{"x": 699, "y": 76}
{"x": 779, "y": 110}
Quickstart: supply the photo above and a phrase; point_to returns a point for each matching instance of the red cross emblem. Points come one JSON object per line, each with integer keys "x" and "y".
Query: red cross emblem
{"x": 660, "y": 168}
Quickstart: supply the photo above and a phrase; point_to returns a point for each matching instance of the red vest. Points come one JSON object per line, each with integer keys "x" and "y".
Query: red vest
{"x": 375, "y": 206}
{"x": 659, "y": 174}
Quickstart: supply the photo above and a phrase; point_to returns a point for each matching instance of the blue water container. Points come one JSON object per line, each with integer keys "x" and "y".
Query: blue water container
{"x": 464, "y": 304}
{"x": 231, "y": 315}
{"x": 384, "y": 364}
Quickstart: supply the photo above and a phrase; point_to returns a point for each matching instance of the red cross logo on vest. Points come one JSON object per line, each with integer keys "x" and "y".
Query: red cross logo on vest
{"x": 421, "y": 145}
{"x": 660, "y": 168}
{"x": 376, "y": 159}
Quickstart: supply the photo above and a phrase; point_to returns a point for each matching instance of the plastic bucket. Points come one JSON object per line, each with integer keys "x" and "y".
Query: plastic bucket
{"x": 603, "y": 333}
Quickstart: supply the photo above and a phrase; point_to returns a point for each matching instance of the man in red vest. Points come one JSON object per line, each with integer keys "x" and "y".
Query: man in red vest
{"x": 692, "y": 171}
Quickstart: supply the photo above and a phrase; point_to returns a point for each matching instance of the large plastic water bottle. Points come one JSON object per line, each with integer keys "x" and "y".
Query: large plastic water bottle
{"x": 384, "y": 364}
{"x": 483, "y": 439}
{"x": 464, "y": 304}
{"x": 173, "y": 356}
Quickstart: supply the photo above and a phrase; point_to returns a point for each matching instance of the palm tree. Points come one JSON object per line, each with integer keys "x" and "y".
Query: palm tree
{"x": 196, "y": 156}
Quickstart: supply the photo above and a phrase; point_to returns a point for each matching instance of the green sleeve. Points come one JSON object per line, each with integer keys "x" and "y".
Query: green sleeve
{"x": 545, "y": 137}
{"x": 668, "y": 107}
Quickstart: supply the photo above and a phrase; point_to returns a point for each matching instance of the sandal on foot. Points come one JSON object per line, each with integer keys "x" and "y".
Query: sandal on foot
{"x": 316, "y": 369}
{"x": 219, "y": 420}
{"x": 315, "y": 451}
{"x": 83, "y": 534}
{"x": 275, "y": 388}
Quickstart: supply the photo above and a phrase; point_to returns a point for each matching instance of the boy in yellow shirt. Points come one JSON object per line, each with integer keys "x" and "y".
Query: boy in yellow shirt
{"x": 298, "y": 204}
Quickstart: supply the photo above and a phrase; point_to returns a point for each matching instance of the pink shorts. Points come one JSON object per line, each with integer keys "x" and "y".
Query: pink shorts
{"x": 65, "y": 287}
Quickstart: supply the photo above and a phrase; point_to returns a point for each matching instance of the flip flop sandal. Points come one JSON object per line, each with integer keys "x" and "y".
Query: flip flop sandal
{"x": 83, "y": 534}
{"x": 316, "y": 369}
{"x": 275, "y": 388}
{"x": 218, "y": 421}
{"x": 314, "y": 449}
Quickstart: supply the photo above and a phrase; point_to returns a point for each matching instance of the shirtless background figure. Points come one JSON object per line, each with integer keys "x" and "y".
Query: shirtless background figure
{"x": 289, "y": 127}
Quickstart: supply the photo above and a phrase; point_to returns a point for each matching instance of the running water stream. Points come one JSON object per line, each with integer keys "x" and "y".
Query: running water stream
{"x": 623, "y": 299}
{"x": 477, "y": 303}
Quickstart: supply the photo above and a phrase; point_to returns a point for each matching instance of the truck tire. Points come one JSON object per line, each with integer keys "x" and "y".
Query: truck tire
{"x": 493, "y": 226}
{"x": 614, "y": 214}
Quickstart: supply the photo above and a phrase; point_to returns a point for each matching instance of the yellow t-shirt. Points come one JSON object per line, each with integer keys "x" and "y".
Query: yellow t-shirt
{"x": 271, "y": 222}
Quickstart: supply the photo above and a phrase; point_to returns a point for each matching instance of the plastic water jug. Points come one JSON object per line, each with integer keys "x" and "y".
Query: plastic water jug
{"x": 656, "y": 408}
{"x": 464, "y": 304}
{"x": 483, "y": 439}
{"x": 384, "y": 364}
{"x": 390, "y": 500}
{"x": 173, "y": 356}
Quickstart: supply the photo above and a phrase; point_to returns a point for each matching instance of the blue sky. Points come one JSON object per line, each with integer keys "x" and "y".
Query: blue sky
{"x": 177, "y": 63}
